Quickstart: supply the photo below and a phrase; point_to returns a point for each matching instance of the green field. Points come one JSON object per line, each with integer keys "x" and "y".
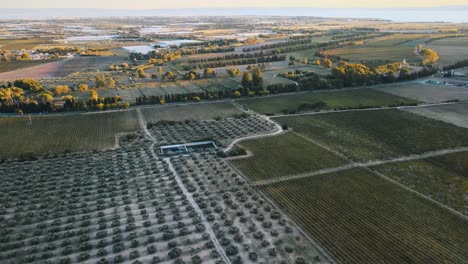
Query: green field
{"x": 69, "y": 133}
{"x": 360, "y": 98}
{"x": 379, "y": 134}
{"x": 9, "y": 44}
{"x": 190, "y": 112}
{"x": 361, "y": 218}
{"x": 288, "y": 154}
{"x": 443, "y": 178}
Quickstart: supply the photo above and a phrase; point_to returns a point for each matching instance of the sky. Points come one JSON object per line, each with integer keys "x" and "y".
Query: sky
{"x": 160, "y": 4}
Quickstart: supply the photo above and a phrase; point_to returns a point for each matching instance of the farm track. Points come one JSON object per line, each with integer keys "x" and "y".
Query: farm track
{"x": 189, "y": 197}
{"x": 371, "y": 109}
{"x": 363, "y": 165}
{"x": 278, "y": 132}
{"x": 366, "y": 166}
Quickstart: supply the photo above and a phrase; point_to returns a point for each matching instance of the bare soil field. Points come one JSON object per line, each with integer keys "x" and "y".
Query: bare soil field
{"x": 450, "y": 50}
{"x": 426, "y": 92}
{"x": 62, "y": 68}
{"x": 455, "y": 113}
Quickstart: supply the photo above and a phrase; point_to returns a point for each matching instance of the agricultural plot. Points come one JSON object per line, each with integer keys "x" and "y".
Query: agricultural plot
{"x": 6, "y": 67}
{"x": 63, "y": 68}
{"x": 442, "y": 178}
{"x": 361, "y": 98}
{"x": 284, "y": 155}
{"x": 426, "y": 92}
{"x": 223, "y": 131}
{"x": 206, "y": 111}
{"x": 58, "y": 134}
{"x": 450, "y": 50}
{"x": 452, "y": 113}
{"x": 379, "y": 134}
{"x": 241, "y": 219}
{"x": 111, "y": 207}
{"x": 360, "y": 54}
{"x": 362, "y": 218}
{"x": 30, "y": 43}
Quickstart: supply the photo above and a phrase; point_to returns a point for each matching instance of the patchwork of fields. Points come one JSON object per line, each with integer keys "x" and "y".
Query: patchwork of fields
{"x": 190, "y": 112}
{"x": 360, "y": 98}
{"x": 378, "y": 135}
{"x": 58, "y": 134}
{"x": 442, "y": 178}
{"x": 426, "y": 92}
{"x": 451, "y": 113}
{"x": 362, "y": 218}
{"x": 284, "y": 155}
{"x": 63, "y": 67}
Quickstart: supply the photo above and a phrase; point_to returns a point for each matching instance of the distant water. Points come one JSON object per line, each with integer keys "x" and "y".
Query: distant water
{"x": 445, "y": 14}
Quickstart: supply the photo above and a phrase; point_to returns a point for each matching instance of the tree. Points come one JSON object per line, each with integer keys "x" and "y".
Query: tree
{"x": 169, "y": 76}
{"x": 111, "y": 83}
{"x": 60, "y": 89}
{"x": 191, "y": 76}
{"x": 28, "y": 84}
{"x": 141, "y": 73}
{"x": 327, "y": 63}
{"x": 247, "y": 81}
{"x": 46, "y": 96}
{"x": 100, "y": 81}
{"x": 94, "y": 96}
{"x": 257, "y": 78}
{"x": 233, "y": 72}
{"x": 209, "y": 72}
{"x": 83, "y": 87}
{"x": 154, "y": 76}
{"x": 160, "y": 70}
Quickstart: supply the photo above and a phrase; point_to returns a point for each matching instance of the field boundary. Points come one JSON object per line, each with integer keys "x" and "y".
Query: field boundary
{"x": 369, "y": 109}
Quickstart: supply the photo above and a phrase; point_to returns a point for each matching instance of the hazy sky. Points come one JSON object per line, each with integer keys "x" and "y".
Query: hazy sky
{"x": 155, "y": 4}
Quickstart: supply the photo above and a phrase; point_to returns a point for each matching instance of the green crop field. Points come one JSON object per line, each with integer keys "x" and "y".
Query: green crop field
{"x": 284, "y": 155}
{"x": 334, "y": 100}
{"x": 362, "y": 218}
{"x": 378, "y": 134}
{"x": 56, "y": 134}
{"x": 190, "y": 112}
{"x": 442, "y": 178}
{"x": 31, "y": 43}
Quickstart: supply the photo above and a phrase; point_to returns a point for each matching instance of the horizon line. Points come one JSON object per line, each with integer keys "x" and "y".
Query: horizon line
{"x": 257, "y": 7}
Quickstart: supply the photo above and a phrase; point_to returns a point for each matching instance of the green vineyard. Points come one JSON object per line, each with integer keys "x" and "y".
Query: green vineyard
{"x": 362, "y": 218}
{"x": 442, "y": 178}
{"x": 284, "y": 155}
{"x": 58, "y": 134}
{"x": 378, "y": 135}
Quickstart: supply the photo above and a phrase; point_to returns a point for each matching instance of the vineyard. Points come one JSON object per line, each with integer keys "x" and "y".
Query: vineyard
{"x": 190, "y": 112}
{"x": 361, "y": 98}
{"x": 378, "y": 135}
{"x": 284, "y": 155}
{"x": 362, "y": 218}
{"x": 442, "y": 178}
{"x": 68, "y": 133}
